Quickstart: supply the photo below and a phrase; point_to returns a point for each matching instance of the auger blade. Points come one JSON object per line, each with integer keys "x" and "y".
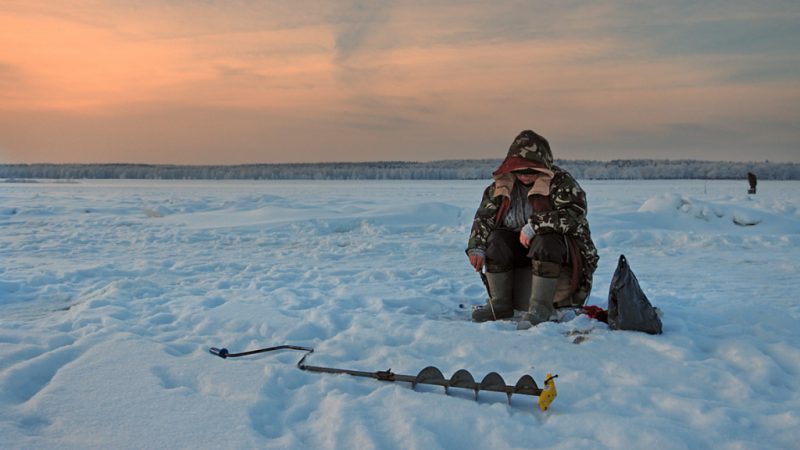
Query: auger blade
{"x": 494, "y": 382}
{"x": 463, "y": 379}
{"x": 526, "y": 385}
{"x": 430, "y": 375}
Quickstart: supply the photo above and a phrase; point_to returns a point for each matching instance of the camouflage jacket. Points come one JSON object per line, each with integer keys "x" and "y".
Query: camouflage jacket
{"x": 565, "y": 215}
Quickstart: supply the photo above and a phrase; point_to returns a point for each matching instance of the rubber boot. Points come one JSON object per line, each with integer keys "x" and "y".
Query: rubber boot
{"x": 500, "y": 304}
{"x": 543, "y": 290}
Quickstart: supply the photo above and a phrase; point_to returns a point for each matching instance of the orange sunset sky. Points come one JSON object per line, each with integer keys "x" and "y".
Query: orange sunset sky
{"x": 230, "y": 82}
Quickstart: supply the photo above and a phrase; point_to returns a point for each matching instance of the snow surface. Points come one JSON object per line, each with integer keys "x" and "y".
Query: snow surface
{"x": 111, "y": 293}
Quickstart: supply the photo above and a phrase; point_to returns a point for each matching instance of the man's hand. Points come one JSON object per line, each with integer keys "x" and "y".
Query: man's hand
{"x": 476, "y": 261}
{"x": 526, "y": 235}
{"x": 523, "y": 239}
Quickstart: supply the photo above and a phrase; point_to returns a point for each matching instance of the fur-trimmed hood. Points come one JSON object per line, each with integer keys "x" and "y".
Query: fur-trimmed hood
{"x": 528, "y": 151}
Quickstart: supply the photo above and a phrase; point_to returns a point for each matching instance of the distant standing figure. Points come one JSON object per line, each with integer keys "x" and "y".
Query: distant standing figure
{"x": 533, "y": 217}
{"x": 751, "y": 178}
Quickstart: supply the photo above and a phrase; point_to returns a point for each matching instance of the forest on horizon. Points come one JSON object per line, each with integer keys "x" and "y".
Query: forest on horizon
{"x": 466, "y": 169}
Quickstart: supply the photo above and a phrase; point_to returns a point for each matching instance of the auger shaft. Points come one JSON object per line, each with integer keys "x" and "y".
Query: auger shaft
{"x": 388, "y": 375}
{"x": 430, "y": 375}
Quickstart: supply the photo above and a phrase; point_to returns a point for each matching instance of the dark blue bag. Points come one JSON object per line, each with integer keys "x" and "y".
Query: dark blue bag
{"x": 628, "y": 307}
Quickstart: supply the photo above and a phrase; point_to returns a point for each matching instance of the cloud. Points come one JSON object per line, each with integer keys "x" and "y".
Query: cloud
{"x": 741, "y": 140}
{"x": 355, "y": 24}
{"x": 433, "y": 76}
{"x": 10, "y": 75}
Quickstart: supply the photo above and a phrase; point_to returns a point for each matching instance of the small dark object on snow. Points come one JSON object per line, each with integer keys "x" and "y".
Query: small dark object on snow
{"x": 628, "y": 306}
{"x": 595, "y": 312}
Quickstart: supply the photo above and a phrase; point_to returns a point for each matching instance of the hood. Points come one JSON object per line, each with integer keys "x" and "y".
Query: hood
{"x": 528, "y": 151}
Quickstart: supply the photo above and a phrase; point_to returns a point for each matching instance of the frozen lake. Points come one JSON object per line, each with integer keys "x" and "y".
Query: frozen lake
{"x": 111, "y": 293}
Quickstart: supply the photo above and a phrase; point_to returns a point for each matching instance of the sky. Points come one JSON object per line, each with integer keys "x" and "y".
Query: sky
{"x": 238, "y": 81}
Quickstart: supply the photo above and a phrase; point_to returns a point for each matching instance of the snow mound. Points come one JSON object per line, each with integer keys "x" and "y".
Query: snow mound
{"x": 156, "y": 212}
{"x": 744, "y": 219}
{"x": 675, "y": 205}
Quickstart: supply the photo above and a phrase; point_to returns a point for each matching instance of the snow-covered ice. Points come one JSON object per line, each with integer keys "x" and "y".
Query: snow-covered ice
{"x": 111, "y": 293}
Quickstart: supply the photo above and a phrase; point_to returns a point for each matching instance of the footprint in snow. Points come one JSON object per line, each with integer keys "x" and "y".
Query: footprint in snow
{"x": 26, "y": 379}
{"x": 169, "y": 379}
{"x": 213, "y": 302}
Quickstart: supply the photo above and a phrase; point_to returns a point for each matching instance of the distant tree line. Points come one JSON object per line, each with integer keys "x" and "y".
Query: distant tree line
{"x": 467, "y": 169}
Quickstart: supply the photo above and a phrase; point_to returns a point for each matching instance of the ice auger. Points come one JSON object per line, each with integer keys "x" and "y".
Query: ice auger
{"x": 462, "y": 379}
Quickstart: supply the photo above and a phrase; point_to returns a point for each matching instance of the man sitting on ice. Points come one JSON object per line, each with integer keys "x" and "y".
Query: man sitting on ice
{"x": 532, "y": 218}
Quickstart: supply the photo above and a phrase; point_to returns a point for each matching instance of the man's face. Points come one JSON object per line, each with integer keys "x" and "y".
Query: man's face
{"x": 527, "y": 178}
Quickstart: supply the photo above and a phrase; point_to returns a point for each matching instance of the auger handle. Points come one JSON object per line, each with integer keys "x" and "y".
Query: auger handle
{"x": 221, "y": 352}
{"x": 224, "y": 353}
